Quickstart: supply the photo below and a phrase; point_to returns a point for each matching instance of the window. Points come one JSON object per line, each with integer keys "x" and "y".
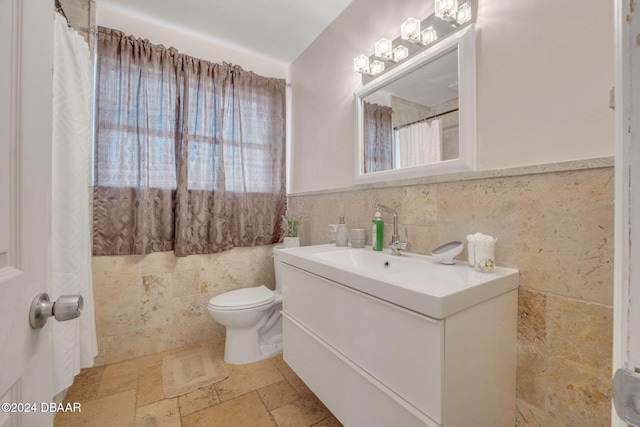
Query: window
{"x": 189, "y": 154}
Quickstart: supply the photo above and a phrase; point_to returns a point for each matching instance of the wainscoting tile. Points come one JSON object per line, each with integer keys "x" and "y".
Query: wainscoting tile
{"x": 578, "y": 396}
{"x": 185, "y": 283}
{"x": 532, "y": 345}
{"x": 529, "y": 415}
{"x": 137, "y": 344}
{"x": 191, "y": 322}
{"x": 580, "y": 333}
{"x": 548, "y": 225}
{"x": 151, "y": 303}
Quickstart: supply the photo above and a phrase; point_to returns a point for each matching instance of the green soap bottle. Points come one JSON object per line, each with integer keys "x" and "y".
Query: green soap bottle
{"x": 377, "y": 232}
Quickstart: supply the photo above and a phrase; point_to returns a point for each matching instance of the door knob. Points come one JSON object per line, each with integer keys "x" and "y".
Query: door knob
{"x": 67, "y": 307}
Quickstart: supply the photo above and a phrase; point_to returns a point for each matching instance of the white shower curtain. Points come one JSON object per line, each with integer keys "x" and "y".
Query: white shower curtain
{"x": 74, "y": 341}
{"x": 419, "y": 143}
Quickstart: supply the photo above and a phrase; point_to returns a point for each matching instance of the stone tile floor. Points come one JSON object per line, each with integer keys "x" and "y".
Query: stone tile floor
{"x": 130, "y": 394}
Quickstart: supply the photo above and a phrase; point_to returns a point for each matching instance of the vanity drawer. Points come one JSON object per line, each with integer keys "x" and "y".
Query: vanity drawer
{"x": 400, "y": 348}
{"x": 353, "y": 396}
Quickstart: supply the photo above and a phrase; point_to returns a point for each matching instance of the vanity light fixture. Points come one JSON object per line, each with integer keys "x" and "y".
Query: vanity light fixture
{"x": 410, "y": 30}
{"x": 454, "y": 12}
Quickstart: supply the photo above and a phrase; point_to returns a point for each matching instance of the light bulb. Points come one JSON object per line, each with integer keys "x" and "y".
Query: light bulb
{"x": 383, "y": 48}
{"x": 429, "y": 35}
{"x": 410, "y": 29}
{"x": 446, "y": 9}
{"x": 464, "y": 13}
{"x": 361, "y": 63}
{"x": 399, "y": 53}
{"x": 376, "y": 67}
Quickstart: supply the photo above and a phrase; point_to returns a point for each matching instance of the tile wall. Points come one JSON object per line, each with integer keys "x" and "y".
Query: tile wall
{"x": 151, "y": 303}
{"x": 554, "y": 223}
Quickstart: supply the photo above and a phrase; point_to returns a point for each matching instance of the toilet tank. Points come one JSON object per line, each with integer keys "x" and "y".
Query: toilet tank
{"x": 276, "y": 266}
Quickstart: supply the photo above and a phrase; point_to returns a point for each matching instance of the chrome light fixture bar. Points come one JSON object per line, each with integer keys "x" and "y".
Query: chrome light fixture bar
{"x": 451, "y": 11}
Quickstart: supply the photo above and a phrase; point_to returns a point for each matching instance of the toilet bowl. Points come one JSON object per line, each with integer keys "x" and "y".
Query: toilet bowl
{"x": 252, "y": 320}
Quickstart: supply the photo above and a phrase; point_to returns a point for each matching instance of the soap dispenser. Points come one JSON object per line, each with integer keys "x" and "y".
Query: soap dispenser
{"x": 377, "y": 232}
{"x": 341, "y": 235}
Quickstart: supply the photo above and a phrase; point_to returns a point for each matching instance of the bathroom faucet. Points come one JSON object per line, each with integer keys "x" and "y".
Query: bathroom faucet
{"x": 396, "y": 245}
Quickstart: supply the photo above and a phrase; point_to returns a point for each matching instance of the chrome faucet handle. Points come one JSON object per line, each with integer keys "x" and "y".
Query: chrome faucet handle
{"x": 401, "y": 246}
{"x": 397, "y": 245}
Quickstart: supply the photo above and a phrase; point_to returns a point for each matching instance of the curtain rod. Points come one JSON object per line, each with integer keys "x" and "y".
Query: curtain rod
{"x": 435, "y": 116}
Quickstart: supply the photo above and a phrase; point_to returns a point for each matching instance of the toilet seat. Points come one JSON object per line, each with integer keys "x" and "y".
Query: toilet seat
{"x": 241, "y": 299}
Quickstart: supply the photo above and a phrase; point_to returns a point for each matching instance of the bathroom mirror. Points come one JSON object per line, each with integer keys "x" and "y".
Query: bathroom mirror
{"x": 419, "y": 119}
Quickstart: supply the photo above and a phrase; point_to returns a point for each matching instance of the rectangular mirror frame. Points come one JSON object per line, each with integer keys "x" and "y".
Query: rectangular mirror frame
{"x": 465, "y": 41}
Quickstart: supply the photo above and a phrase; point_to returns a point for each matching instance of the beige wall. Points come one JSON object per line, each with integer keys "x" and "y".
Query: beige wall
{"x": 543, "y": 85}
{"x": 557, "y": 228}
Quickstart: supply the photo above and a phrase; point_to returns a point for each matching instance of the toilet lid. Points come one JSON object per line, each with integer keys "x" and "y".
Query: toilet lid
{"x": 243, "y": 298}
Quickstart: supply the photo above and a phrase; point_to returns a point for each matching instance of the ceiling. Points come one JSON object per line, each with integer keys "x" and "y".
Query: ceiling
{"x": 276, "y": 29}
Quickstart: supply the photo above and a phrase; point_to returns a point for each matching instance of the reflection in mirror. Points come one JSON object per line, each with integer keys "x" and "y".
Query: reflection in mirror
{"x": 414, "y": 120}
{"x": 419, "y": 119}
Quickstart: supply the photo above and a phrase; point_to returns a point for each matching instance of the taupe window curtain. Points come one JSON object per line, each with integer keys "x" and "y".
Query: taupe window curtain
{"x": 189, "y": 154}
{"x": 378, "y": 137}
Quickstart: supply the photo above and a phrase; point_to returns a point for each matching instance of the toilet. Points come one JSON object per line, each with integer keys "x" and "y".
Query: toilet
{"x": 252, "y": 319}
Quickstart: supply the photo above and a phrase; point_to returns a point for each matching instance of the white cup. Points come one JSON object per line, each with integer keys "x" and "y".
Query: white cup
{"x": 333, "y": 229}
{"x": 485, "y": 257}
{"x": 357, "y": 237}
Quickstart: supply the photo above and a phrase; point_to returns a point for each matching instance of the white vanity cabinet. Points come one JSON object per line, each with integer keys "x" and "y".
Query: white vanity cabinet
{"x": 375, "y": 363}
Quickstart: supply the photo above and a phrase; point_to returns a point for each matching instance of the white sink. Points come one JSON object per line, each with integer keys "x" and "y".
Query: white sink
{"x": 412, "y": 281}
{"x": 369, "y": 262}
